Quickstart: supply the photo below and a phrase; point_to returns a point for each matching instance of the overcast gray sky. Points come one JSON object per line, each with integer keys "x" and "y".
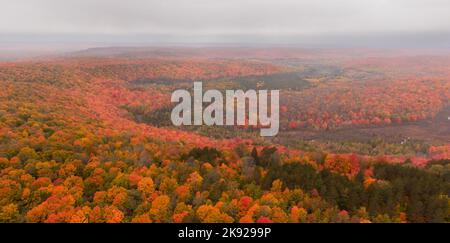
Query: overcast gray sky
{"x": 227, "y": 20}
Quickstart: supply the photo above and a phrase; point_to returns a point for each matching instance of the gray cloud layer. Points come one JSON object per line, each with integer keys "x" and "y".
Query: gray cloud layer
{"x": 240, "y": 19}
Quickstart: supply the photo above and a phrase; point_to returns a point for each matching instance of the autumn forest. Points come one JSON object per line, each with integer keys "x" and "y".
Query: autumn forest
{"x": 87, "y": 137}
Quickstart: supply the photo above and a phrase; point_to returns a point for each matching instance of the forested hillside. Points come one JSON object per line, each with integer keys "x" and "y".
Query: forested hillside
{"x": 87, "y": 138}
